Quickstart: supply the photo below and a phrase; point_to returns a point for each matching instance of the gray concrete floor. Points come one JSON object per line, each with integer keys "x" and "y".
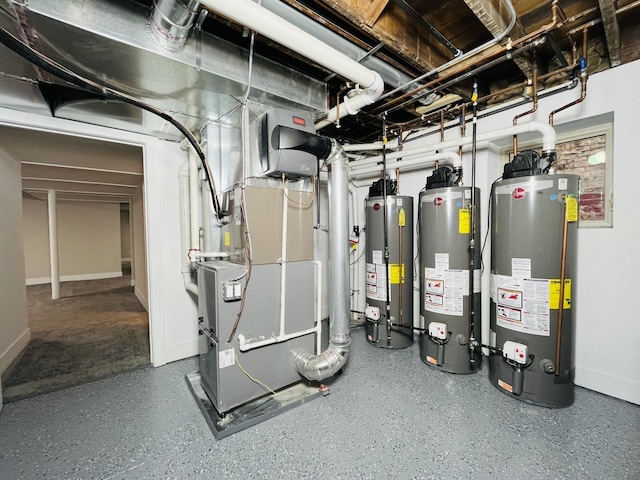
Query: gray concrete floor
{"x": 388, "y": 416}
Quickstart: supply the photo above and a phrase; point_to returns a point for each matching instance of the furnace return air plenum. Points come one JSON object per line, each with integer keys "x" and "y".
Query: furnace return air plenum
{"x": 393, "y": 330}
{"x": 533, "y": 245}
{"x": 444, "y": 232}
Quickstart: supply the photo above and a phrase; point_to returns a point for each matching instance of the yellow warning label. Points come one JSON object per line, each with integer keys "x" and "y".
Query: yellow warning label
{"x": 554, "y": 293}
{"x": 396, "y": 273}
{"x": 464, "y": 220}
{"x": 227, "y": 239}
{"x": 401, "y": 217}
{"x": 505, "y": 385}
{"x": 572, "y": 209}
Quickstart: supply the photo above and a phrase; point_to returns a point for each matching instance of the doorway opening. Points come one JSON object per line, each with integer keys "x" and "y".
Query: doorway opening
{"x": 98, "y": 325}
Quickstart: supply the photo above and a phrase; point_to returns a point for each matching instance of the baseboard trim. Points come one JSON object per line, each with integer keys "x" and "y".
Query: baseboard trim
{"x": 621, "y": 388}
{"x": 13, "y": 350}
{"x": 74, "y": 278}
{"x": 141, "y": 298}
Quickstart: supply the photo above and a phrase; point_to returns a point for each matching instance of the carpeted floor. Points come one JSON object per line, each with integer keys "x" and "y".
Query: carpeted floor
{"x": 96, "y": 329}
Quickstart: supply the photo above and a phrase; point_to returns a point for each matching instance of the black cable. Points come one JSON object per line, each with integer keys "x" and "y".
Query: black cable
{"x": 42, "y": 61}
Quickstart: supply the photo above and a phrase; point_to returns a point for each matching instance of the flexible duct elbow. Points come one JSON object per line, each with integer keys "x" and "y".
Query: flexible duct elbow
{"x": 325, "y": 365}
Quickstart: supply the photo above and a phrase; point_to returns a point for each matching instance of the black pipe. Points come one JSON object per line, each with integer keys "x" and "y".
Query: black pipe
{"x": 472, "y": 226}
{"x": 386, "y": 227}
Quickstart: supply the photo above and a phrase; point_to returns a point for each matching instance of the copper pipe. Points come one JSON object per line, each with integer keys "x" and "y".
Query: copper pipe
{"x": 563, "y": 273}
{"x": 400, "y": 264}
{"x": 533, "y": 109}
{"x": 486, "y": 98}
{"x": 481, "y": 57}
{"x": 463, "y": 129}
{"x": 583, "y": 81}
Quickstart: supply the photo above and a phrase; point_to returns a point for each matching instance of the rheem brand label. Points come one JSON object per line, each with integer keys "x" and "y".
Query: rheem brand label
{"x": 518, "y": 193}
{"x": 437, "y": 201}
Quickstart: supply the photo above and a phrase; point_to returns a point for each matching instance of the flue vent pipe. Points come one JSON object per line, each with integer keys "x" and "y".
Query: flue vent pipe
{"x": 369, "y": 84}
{"x": 171, "y": 21}
{"x": 329, "y": 362}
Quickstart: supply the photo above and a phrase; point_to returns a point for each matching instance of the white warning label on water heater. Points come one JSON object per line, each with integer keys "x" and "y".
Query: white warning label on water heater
{"x": 522, "y": 304}
{"x": 377, "y": 282}
{"x": 444, "y": 290}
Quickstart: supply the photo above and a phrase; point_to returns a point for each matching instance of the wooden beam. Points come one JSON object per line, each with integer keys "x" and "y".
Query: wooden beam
{"x": 495, "y": 17}
{"x": 374, "y": 12}
{"x": 611, "y": 30}
{"x": 395, "y": 29}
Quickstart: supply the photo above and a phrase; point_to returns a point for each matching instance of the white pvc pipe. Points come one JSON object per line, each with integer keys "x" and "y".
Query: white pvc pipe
{"x": 198, "y": 255}
{"x": 264, "y": 22}
{"x": 53, "y": 244}
{"x": 355, "y": 278}
{"x": 548, "y": 142}
{"x": 185, "y": 233}
{"x": 283, "y": 261}
{"x": 404, "y": 165}
{"x": 353, "y": 101}
{"x": 193, "y": 200}
{"x": 365, "y": 147}
{"x": 244, "y": 346}
{"x": 318, "y": 264}
{"x": 206, "y": 215}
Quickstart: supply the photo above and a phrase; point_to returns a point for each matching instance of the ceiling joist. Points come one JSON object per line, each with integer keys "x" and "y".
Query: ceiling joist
{"x": 496, "y": 18}
{"x": 611, "y": 30}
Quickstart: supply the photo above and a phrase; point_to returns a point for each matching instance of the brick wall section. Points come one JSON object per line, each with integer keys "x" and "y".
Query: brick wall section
{"x": 573, "y": 157}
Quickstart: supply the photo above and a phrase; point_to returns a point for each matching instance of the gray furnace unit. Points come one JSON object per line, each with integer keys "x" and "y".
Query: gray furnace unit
{"x": 445, "y": 230}
{"x": 389, "y": 312}
{"x": 533, "y": 265}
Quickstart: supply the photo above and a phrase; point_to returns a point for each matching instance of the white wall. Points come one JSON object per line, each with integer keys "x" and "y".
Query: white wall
{"x": 607, "y": 329}
{"x": 139, "y": 262}
{"x": 125, "y": 235}
{"x": 14, "y": 329}
{"x": 88, "y": 240}
{"x": 172, "y": 313}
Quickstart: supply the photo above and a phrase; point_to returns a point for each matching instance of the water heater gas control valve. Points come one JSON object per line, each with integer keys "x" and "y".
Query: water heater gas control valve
{"x": 372, "y": 313}
{"x": 438, "y": 330}
{"x": 516, "y": 352}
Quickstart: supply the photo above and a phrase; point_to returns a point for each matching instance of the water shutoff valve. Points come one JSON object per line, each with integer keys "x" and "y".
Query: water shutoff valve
{"x": 516, "y": 352}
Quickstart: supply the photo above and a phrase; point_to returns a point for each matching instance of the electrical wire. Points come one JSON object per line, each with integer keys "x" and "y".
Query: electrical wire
{"x": 304, "y": 204}
{"x": 248, "y": 253}
{"x": 262, "y": 384}
{"x": 42, "y": 61}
